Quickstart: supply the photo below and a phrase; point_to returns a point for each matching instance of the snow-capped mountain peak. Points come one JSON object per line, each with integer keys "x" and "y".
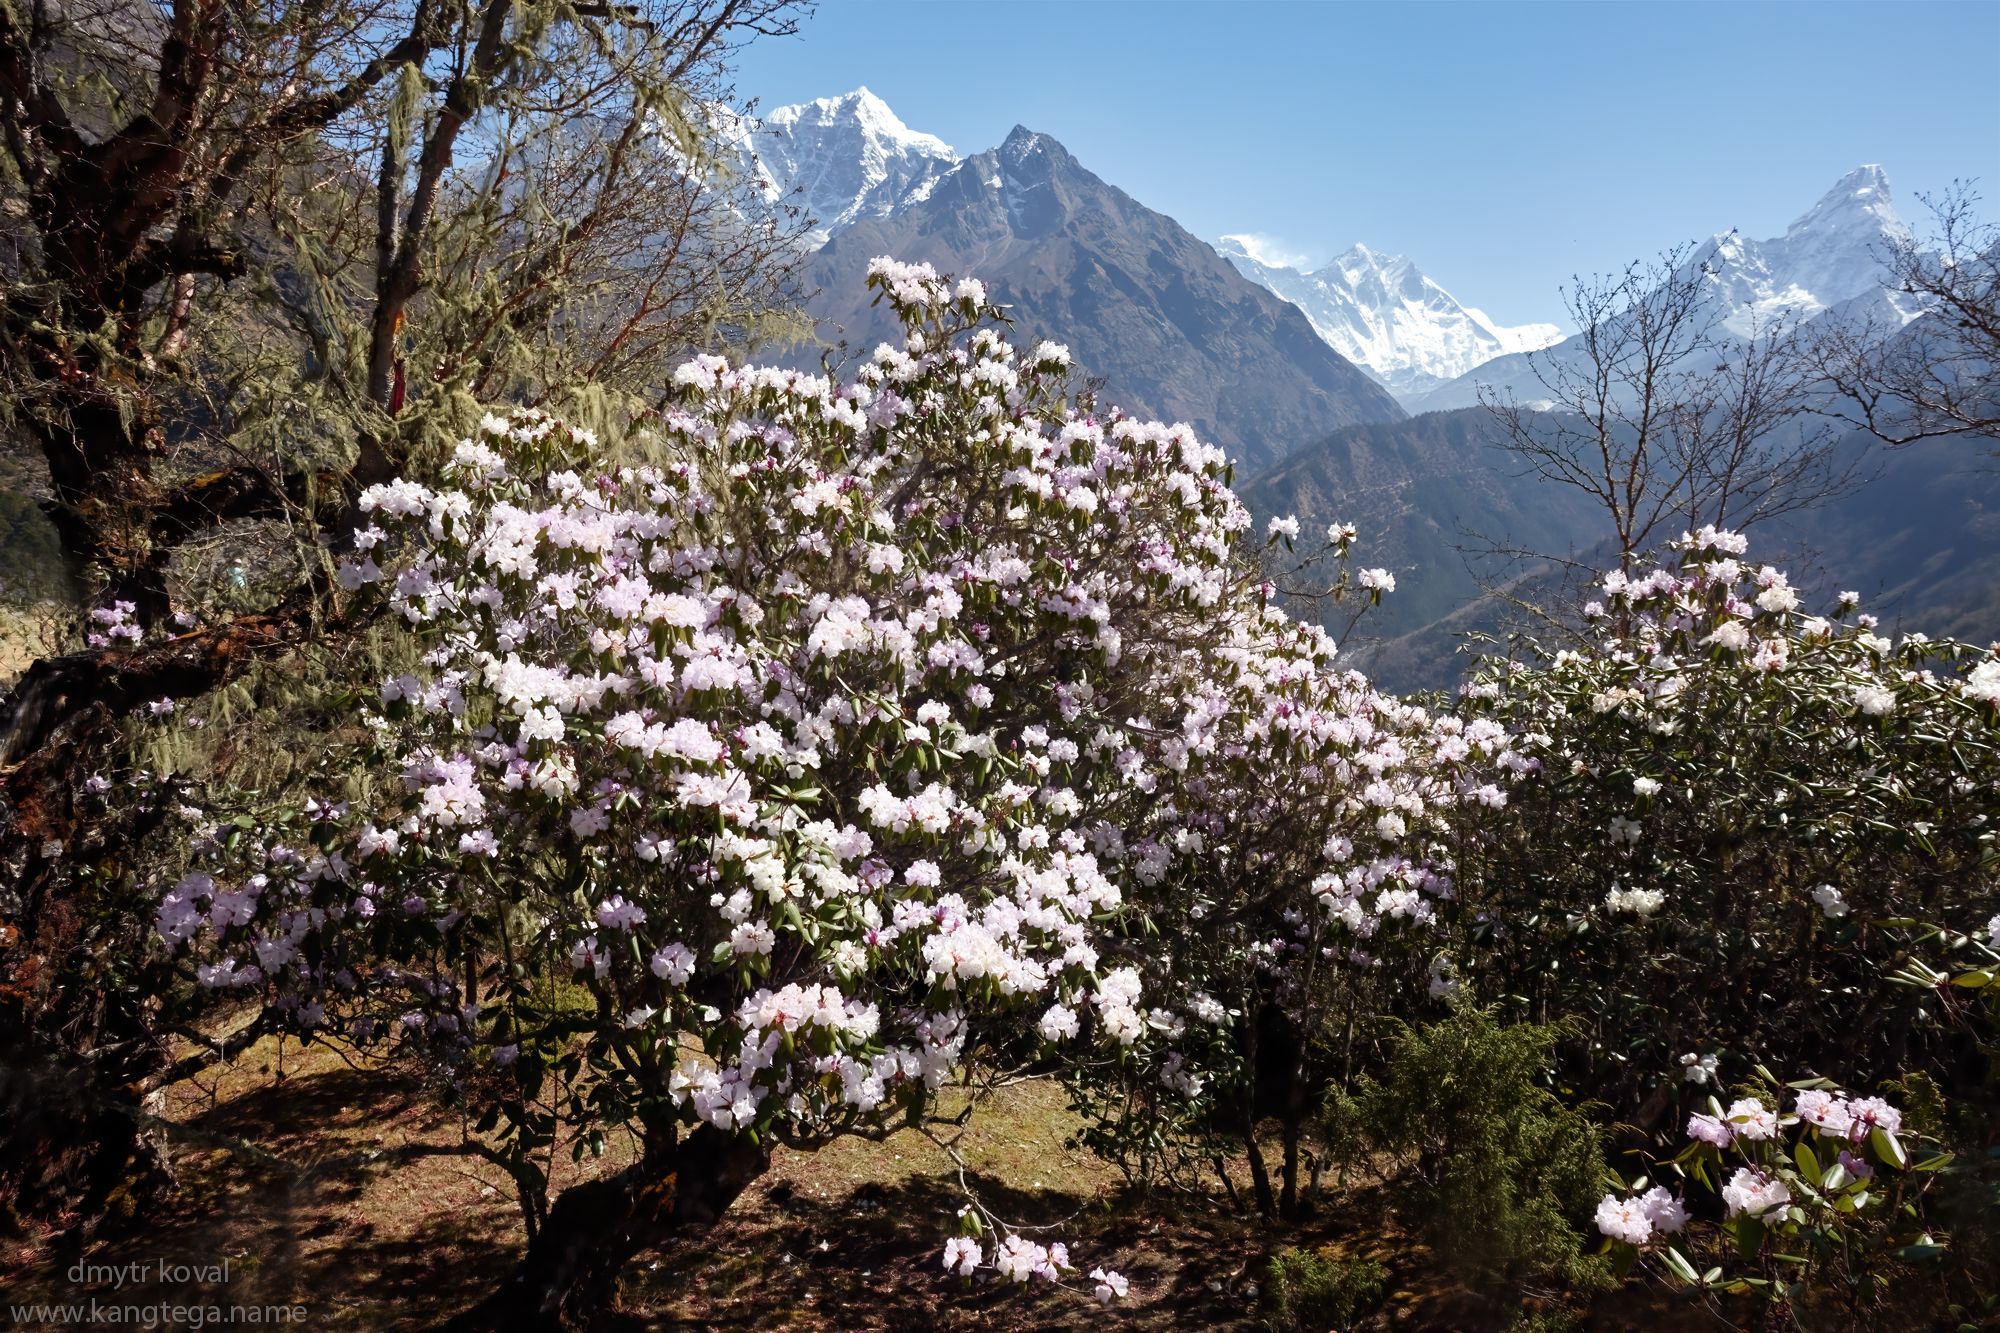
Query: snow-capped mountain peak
{"x": 842, "y": 159}
{"x": 1027, "y": 159}
{"x": 1259, "y": 249}
{"x": 864, "y": 112}
{"x": 1020, "y": 145}
{"x": 1858, "y": 202}
{"x": 1382, "y": 313}
{"x": 1830, "y": 254}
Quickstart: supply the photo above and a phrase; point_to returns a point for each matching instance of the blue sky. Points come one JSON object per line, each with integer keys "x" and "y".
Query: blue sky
{"x": 1501, "y": 146}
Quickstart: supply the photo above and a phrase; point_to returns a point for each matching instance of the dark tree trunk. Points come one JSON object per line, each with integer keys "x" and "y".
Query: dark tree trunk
{"x": 570, "y": 1272}
{"x": 1246, "y": 1121}
{"x": 109, "y": 223}
{"x": 103, "y": 494}
{"x": 1288, "y": 1170}
{"x": 1260, "y": 1177}
{"x": 72, "y": 1153}
{"x": 1228, "y": 1185}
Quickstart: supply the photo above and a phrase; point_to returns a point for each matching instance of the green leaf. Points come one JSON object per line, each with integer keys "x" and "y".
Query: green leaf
{"x": 1678, "y": 1265}
{"x": 1888, "y": 1148}
{"x": 1802, "y": 1153}
{"x": 1623, "y": 1256}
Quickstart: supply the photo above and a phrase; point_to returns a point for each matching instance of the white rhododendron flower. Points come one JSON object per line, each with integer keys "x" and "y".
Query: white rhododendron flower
{"x": 1874, "y": 700}
{"x": 1754, "y": 1192}
{"x": 1751, "y": 1119}
{"x": 1377, "y": 580}
{"x": 1638, "y": 1219}
{"x": 1639, "y": 902}
{"x": 961, "y": 1256}
{"x": 1983, "y": 683}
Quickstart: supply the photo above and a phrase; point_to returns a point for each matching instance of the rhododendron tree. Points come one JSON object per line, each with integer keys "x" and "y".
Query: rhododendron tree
{"x": 872, "y": 739}
{"x": 1747, "y": 819}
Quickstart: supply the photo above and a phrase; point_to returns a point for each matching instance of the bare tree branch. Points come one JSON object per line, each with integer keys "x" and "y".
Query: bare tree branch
{"x": 1667, "y": 419}
{"x": 1938, "y": 375}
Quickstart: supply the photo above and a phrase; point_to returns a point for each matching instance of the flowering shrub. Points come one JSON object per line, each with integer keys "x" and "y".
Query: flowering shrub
{"x": 1812, "y": 1200}
{"x": 1747, "y": 819}
{"x": 880, "y": 739}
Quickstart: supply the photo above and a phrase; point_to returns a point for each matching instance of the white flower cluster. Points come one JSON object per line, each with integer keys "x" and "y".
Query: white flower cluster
{"x": 1638, "y": 1219}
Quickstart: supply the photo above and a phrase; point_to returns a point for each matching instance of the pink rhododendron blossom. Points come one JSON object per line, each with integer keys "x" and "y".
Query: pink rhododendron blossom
{"x": 961, "y": 1256}
{"x": 1711, "y": 1129}
{"x": 1752, "y": 1120}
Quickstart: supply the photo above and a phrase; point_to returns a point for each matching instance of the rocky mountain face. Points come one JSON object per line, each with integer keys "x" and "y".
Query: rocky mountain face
{"x": 1439, "y": 506}
{"x": 1170, "y": 327}
{"x": 1382, "y": 313}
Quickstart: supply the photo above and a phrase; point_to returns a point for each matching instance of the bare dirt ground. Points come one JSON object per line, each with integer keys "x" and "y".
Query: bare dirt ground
{"x": 320, "y": 1184}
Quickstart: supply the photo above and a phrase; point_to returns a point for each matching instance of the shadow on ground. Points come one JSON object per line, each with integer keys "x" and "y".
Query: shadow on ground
{"x": 329, "y": 1187}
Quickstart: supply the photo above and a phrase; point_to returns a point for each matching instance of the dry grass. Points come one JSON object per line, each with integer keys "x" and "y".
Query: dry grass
{"x": 26, "y": 633}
